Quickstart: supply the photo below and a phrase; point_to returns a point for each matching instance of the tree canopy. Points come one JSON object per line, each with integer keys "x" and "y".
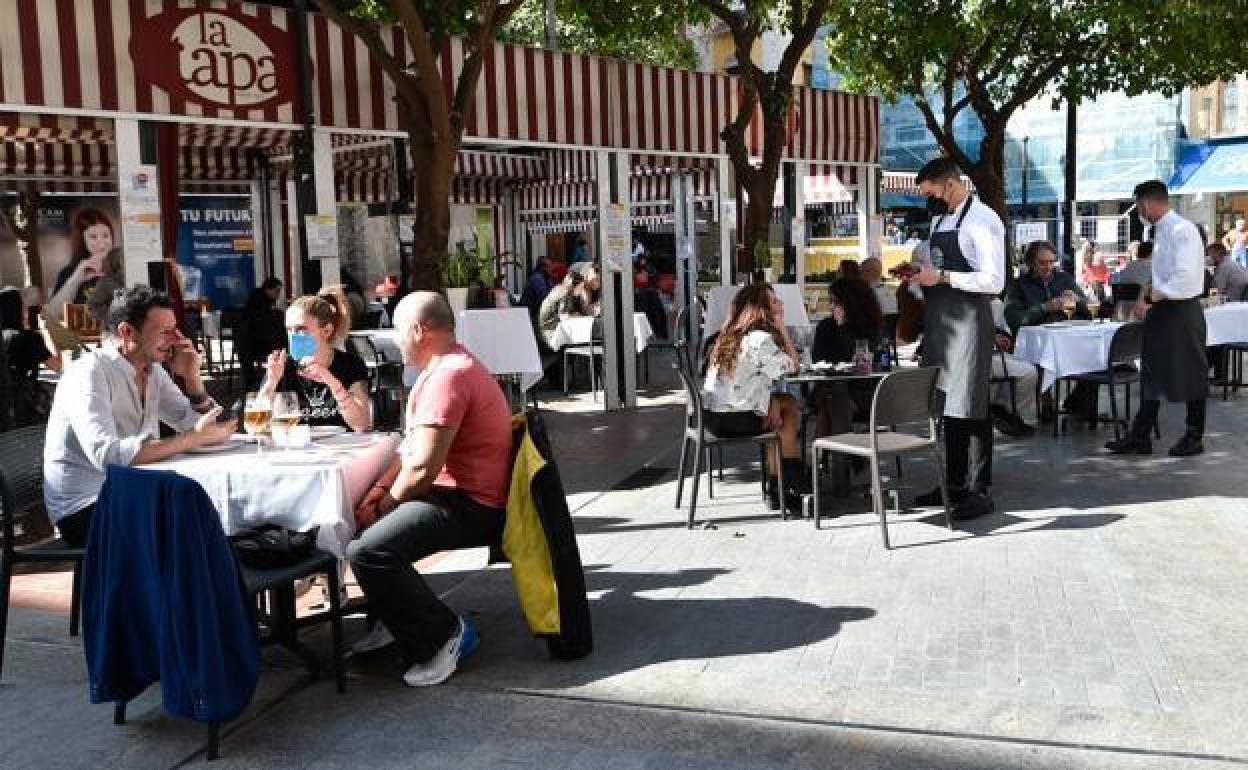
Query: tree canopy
{"x": 651, "y": 35}
{"x": 994, "y": 56}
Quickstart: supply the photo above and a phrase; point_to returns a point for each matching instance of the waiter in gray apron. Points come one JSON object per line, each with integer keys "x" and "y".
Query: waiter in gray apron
{"x": 963, "y": 270}
{"x": 1173, "y": 363}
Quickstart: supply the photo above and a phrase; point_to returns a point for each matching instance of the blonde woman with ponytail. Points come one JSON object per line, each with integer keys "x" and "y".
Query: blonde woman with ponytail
{"x": 331, "y": 384}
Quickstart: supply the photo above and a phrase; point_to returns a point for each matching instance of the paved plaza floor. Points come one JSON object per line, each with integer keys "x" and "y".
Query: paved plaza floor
{"x": 1096, "y": 621}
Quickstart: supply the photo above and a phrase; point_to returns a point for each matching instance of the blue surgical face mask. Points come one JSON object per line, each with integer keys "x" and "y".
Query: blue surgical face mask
{"x": 302, "y": 345}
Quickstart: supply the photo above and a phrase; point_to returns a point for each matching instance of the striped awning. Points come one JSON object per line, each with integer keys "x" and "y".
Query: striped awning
{"x": 905, "y": 183}
{"x": 500, "y": 165}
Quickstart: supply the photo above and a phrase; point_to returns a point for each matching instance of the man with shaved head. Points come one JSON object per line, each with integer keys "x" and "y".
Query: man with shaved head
{"x": 446, "y": 489}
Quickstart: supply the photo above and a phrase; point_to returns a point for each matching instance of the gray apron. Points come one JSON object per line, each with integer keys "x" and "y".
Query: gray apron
{"x": 1173, "y": 364}
{"x": 958, "y": 331}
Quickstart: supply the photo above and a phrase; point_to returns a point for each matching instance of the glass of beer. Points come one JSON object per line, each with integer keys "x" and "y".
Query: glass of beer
{"x": 286, "y": 415}
{"x": 257, "y": 413}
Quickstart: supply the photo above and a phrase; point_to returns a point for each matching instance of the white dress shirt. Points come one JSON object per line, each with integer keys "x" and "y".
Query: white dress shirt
{"x": 1178, "y": 258}
{"x": 982, "y": 240}
{"x": 760, "y": 362}
{"x": 97, "y": 421}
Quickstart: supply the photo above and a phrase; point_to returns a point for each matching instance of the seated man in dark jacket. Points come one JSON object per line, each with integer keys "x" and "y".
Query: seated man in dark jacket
{"x": 1038, "y": 295}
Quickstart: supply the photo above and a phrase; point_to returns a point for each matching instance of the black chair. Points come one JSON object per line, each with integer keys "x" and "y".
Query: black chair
{"x": 385, "y": 380}
{"x": 1120, "y": 370}
{"x": 1005, "y": 378}
{"x": 21, "y": 494}
{"x": 702, "y": 441}
{"x": 903, "y": 397}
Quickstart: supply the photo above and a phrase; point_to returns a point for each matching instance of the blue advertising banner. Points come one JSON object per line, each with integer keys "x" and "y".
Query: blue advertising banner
{"x": 216, "y": 249}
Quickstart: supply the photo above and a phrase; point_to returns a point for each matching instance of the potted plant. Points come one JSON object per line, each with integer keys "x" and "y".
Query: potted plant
{"x": 460, "y": 271}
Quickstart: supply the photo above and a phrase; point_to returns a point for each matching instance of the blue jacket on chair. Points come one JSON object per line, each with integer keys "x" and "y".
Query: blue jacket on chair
{"x": 163, "y": 599}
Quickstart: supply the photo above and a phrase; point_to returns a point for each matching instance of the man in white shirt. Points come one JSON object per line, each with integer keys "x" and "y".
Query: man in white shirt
{"x": 872, "y": 271}
{"x": 110, "y": 403}
{"x": 1173, "y": 359}
{"x": 963, "y": 268}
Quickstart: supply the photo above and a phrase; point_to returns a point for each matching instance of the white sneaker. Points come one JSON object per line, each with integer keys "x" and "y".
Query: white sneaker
{"x": 439, "y": 668}
{"x": 375, "y": 639}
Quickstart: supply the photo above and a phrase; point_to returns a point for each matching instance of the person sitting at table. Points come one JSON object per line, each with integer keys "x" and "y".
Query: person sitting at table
{"x": 1038, "y": 296}
{"x": 855, "y": 316}
{"x": 446, "y": 489}
{"x": 110, "y": 402}
{"x": 26, "y": 348}
{"x": 536, "y": 287}
{"x": 563, "y": 301}
{"x": 751, "y": 354}
{"x": 1025, "y": 376}
{"x": 590, "y": 288}
{"x": 1229, "y": 278}
{"x": 331, "y": 384}
{"x": 1139, "y": 270}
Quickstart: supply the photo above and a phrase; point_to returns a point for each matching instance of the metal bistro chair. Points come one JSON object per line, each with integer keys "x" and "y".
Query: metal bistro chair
{"x": 594, "y": 350}
{"x": 385, "y": 379}
{"x": 1233, "y": 360}
{"x": 21, "y": 490}
{"x": 1120, "y": 369}
{"x": 902, "y": 398}
{"x": 1005, "y": 379}
{"x": 703, "y": 442}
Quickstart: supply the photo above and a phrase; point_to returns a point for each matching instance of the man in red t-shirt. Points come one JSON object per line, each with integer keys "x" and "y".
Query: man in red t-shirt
{"x": 446, "y": 489}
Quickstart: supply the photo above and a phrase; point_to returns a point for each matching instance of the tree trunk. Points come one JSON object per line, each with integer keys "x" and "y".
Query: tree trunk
{"x": 433, "y": 216}
{"x": 989, "y": 178}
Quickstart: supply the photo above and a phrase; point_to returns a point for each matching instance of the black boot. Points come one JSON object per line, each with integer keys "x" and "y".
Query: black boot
{"x": 1131, "y": 445}
{"x": 773, "y": 494}
{"x": 796, "y": 484}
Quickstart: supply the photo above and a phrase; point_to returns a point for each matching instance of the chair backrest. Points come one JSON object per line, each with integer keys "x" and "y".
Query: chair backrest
{"x": 362, "y": 346}
{"x": 905, "y": 396}
{"x": 693, "y": 394}
{"x": 1126, "y": 344}
{"x": 596, "y": 334}
{"x": 21, "y": 476}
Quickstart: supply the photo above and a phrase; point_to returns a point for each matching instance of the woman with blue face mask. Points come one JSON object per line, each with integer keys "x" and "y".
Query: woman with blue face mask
{"x": 331, "y": 384}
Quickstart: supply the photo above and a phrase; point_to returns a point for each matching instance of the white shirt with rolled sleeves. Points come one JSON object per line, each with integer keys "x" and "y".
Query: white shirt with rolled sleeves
{"x": 97, "y": 421}
{"x": 1178, "y": 258}
{"x": 982, "y": 239}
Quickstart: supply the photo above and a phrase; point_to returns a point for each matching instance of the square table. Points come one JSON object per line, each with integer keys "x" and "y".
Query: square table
{"x": 297, "y": 489}
{"x": 1227, "y": 324}
{"x": 1066, "y": 348}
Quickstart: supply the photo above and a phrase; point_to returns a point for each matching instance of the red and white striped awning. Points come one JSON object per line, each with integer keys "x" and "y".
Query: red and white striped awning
{"x": 823, "y": 184}
{"x": 76, "y": 55}
{"x": 500, "y": 165}
{"x": 904, "y": 183}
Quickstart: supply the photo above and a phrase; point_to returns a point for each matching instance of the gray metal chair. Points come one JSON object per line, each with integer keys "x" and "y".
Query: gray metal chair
{"x": 703, "y": 442}
{"x": 1120, "y": 370}
{"x": 904, "y": 397}
{"x": 594, "y": 350}
{"x": 21, "y": 492}
{"x": 385, "y": 381}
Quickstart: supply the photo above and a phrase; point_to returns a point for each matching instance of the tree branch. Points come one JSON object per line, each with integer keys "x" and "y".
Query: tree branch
{"x": 369, "y": 35}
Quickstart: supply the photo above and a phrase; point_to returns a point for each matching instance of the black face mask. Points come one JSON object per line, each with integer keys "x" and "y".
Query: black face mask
{"x": 937, "y": 207}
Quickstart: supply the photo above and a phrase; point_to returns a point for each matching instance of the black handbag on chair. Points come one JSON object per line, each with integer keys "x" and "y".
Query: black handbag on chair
{"x": 271, "y": 546}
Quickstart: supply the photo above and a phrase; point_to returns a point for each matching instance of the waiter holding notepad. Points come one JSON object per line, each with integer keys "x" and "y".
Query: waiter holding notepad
{"x": 962, "y": 270}
{"x": 1173, "y": 356}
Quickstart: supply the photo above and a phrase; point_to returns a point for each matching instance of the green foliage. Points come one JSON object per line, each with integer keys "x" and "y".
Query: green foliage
{"x": 603, "y": 29}
{"x": 762, "y": 254}
{"x": 465, "y": 265}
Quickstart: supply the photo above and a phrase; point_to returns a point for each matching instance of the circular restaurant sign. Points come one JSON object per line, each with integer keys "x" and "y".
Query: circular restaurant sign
{"x": 223, "y": 58}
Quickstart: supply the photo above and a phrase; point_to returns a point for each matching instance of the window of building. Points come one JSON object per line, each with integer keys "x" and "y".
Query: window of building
{"x": 1230, "y": 107}
{"x": 1204, "y": 116}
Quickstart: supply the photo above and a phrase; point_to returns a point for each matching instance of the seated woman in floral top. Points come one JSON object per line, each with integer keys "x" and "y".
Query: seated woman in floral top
{"x": 752, "y": 352}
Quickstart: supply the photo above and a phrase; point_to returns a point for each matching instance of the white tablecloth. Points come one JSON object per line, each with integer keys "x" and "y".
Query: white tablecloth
{"x": 502, "y": 338}
{"x": 1065, "y": 349}
{"x": 580, "y": 330}
{"x": 719, "y": 306}
{"x": 1227, "y": 323}
{"x": 297, "y": 489}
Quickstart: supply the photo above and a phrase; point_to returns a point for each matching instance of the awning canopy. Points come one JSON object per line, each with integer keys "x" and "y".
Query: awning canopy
{"x": 1212, "y": 167}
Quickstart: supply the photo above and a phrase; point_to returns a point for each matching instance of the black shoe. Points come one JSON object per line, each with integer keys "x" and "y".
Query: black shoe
{"x": 1189, "y": 445}
{"x": 773, "y": 494}
{"x": 933, "y": 500}
{"x": 972, "y": 507}
{"x": 1130, "y": 446}
{"x": 796, "y": 475}
{"x": 1009, "y": 424}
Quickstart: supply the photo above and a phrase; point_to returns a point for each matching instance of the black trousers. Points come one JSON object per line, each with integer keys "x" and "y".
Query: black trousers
{"x": 381, "y": 559}
{"x": 968, "y": 454}
{"x": 75, "y": 527}
{"x": 1147, "y": 416}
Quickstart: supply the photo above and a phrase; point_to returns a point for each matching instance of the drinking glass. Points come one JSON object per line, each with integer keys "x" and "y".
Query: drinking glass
{"x": 286, "y": 415}
{"x": 257, "y": 413}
